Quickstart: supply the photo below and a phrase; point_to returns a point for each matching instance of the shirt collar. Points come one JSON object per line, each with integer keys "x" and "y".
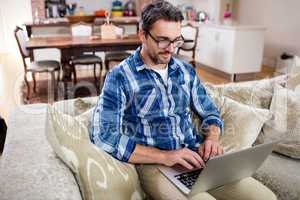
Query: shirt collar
{"x": 140, "y": 65}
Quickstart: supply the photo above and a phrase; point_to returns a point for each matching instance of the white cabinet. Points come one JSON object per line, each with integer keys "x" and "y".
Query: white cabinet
{"x": 231, "y": 49}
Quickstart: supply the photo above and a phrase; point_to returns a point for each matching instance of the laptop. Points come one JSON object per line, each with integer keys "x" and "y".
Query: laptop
{"x": 219, "y": 170}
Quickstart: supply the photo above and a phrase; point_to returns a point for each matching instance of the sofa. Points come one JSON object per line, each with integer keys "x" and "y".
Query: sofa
{"x": 30, "y": 169}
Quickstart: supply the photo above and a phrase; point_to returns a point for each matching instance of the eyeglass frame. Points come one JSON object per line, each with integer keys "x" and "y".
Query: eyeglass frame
{"x": 167, "y": 40}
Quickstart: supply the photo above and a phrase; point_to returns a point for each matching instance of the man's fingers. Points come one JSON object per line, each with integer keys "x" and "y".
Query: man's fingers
{"x": 185, "y": 164}
{"x": 220, "y": 150}
{"x": 201, "y": 150}
{"x": 198, "y": 158}
{"x": 214, "y": 149}
{"x": 207, "y": 149}
{"x": 193, "y": 158}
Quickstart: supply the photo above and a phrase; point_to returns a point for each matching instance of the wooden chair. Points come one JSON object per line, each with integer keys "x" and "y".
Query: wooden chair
{"x": 115, "y": 56}
{"x": 33, "y": 67}
{"x": 83, "y": 29}
{"x": 190, "y": 35}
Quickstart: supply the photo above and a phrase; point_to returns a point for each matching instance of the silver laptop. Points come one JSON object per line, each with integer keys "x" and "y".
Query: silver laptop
{"x": 219, "y": 170}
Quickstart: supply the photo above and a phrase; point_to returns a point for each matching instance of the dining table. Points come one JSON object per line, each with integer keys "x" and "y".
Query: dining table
{"x": 70, "y": 46}
{"x": 76, "y": 45}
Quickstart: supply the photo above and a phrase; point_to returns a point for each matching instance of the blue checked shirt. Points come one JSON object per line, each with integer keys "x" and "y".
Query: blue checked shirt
{"x": 137, "y": 107}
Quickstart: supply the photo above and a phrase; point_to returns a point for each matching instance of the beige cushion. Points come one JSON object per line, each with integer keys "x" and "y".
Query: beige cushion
{"x": 254, "y": 93}
{"x": 86, "y": 117}
{"x": 99, "y": 175}
{"x": 82, "y": 105}
{"x": 242, "y": 123}
{"x": 285, "y": 124}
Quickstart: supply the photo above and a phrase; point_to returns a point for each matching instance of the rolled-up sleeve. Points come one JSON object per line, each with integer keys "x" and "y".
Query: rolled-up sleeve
{"x": 204, "y": 106}
{"x": 106, "y": 131}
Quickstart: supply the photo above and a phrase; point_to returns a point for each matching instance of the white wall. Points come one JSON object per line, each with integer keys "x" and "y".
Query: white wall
{"x": 2, "y": 33}
{"x": 12, "y": 13}
{"x": 282, "y": 20}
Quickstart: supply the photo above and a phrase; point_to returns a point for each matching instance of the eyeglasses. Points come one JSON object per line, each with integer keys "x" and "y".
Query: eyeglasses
{"x": 178, "y": 42}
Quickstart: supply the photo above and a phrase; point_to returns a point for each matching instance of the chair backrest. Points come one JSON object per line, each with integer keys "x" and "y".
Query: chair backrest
{"x": 111, "y": 31}
{"x": 81, "y": 29}
{"x": 21, "y": 38}
{"x": 189, "y": 33}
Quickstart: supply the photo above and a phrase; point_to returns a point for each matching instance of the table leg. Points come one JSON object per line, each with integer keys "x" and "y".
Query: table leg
{"x": 67, "y": 71}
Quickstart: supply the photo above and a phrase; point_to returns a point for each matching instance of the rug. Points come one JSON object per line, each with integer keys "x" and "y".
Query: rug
{"x": 85, "y": 87}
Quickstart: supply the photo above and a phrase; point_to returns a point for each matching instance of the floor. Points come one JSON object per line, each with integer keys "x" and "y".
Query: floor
{"x": 11, "y": 77}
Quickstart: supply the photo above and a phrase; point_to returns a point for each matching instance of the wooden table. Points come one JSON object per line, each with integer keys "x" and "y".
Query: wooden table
{"x": 72, "y": 46}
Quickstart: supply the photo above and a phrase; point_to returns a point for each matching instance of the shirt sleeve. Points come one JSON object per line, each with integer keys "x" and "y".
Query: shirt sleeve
{"x": 204, "y": 106}
{"x": 106, "y": 131}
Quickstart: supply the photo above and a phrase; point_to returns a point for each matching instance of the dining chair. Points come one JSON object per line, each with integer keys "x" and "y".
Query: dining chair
{"x": 33, "y": 67}
{"x": 190, "y": 35}
{"x": 115, "y": 56}
{"x": 84, "y": 29}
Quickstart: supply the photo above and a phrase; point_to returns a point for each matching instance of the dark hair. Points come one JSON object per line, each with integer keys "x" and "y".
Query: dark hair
{"x": 157, "y": 10}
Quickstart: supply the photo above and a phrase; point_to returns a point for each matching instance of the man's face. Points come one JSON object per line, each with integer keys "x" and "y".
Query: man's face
{"x": 154, "y": 41}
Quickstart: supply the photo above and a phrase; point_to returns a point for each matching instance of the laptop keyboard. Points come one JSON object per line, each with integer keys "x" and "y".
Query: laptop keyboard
{"x": 188, "y": 178}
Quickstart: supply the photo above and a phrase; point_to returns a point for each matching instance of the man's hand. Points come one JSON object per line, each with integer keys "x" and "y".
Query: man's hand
{"x": 211, "y": 146}
{"x": 184, "y": 157}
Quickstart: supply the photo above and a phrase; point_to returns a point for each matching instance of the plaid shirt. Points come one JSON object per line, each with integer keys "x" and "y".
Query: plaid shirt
{"x": 137, "y": 107}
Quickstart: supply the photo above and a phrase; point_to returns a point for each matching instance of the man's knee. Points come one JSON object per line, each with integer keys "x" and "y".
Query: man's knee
{"x": 158, "y": 187}
{"x": 246, "y": 189}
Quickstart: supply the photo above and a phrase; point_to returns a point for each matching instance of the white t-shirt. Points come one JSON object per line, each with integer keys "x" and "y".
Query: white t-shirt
{"x": 163, "y": 73}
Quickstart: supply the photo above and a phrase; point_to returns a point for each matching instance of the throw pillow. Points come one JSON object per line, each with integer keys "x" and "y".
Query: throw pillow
{"x": 86, "y": 117}
{"x": 82, "y": 105}
{"x": 285, "y": 124}
{"x": 100, "y": 176}
{"x": 254, "y": 93}
{"x": 242, "y": 123}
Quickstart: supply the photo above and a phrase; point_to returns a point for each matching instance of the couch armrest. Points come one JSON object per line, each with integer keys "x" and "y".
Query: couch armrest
{"x": 28, "y": 166}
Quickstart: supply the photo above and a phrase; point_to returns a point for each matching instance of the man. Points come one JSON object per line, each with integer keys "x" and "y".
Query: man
{"x": 143, "y": 114}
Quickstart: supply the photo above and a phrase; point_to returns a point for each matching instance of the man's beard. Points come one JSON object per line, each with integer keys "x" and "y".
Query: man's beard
{"x": 159, "y": 59}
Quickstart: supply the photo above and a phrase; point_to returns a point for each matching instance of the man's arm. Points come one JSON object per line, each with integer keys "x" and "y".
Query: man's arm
{"x": 106, "y": 131}
{"x": 211, "y": 120}
{"x": 211, "y": 146}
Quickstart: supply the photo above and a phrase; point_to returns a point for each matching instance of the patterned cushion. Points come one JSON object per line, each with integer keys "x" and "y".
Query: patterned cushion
{"x": 285, "y": 124}
{"x": 82, "y": 105}
{"x": 256, "y": 95}
{"x": 253, "y": 93}
{"x": 99, "y": 175}
{"x": 242, "y": 123}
